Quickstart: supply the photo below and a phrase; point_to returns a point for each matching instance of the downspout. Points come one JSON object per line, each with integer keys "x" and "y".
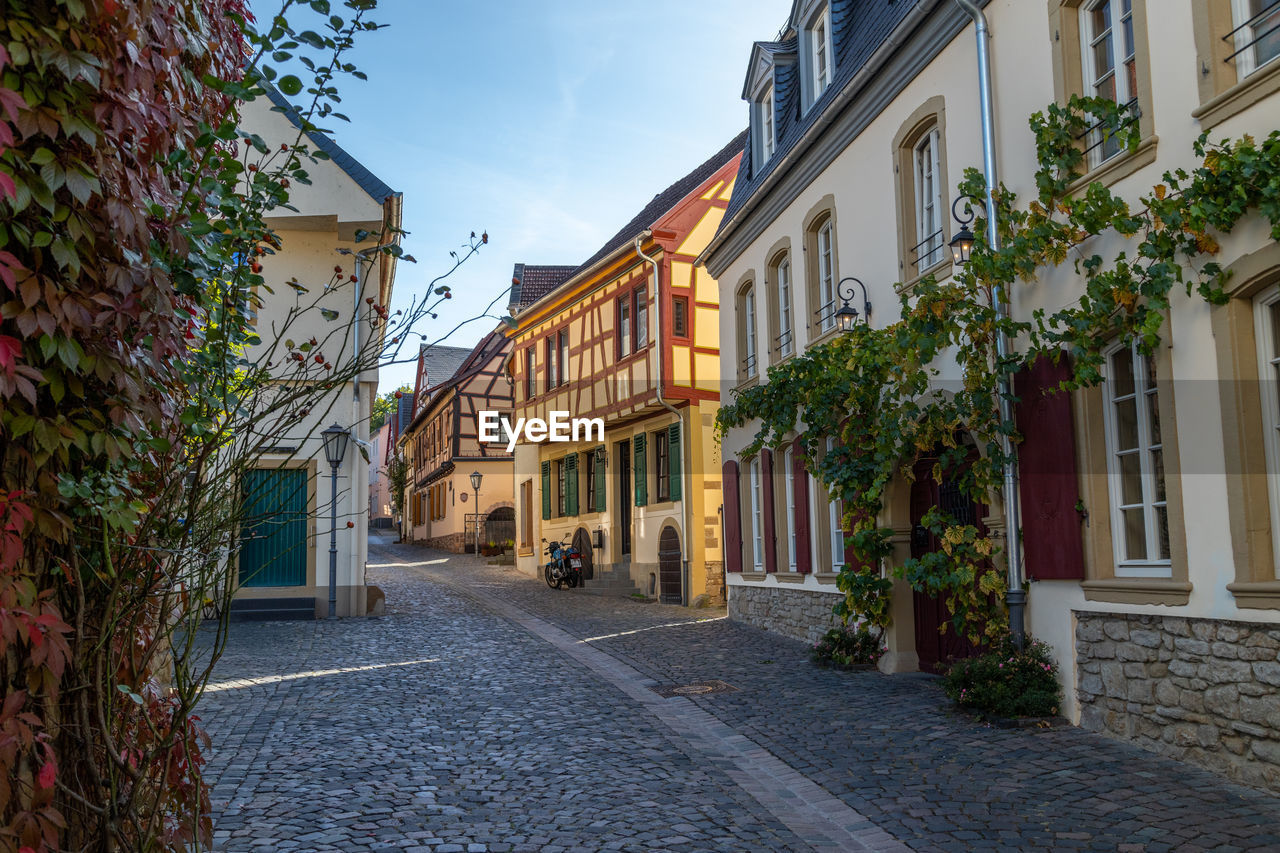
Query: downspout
{"x": 685, "y": 438}
{"x": 1017, "y": 595}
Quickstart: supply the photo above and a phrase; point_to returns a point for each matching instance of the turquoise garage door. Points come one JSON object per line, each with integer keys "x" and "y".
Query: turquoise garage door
{"x": 273, "y": 539}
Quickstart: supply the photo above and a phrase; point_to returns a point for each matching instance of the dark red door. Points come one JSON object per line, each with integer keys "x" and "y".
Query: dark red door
{"x": 934, "y": 648}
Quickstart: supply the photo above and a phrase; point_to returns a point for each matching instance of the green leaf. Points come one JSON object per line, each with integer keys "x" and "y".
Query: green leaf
{"x": 329, "y": 314}
{"x": 290, "y": 85}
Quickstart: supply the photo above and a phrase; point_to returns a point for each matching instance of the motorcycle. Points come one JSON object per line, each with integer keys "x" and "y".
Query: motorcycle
{"x": 565, "y": 566}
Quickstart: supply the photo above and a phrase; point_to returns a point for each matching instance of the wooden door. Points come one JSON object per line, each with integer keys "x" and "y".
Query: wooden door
{"x": 582, "y": 541}
{"x": 273, "y": 534}
{"x": 670, "y": 586}
{"x": 936, "y": 649}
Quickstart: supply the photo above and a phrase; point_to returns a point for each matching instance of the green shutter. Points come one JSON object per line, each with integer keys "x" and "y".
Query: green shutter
{"x": 546, "y": 491}
{"x": 640, "y": 470}
{"x": 600, "y": 484}
{"x": 571, "y": 484}
{"x": 673, "y": 460}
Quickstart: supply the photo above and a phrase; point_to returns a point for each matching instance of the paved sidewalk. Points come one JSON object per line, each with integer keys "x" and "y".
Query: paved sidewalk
{"x": 488, "y": 712}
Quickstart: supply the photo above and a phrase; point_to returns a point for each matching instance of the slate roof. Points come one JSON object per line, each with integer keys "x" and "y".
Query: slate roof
{"x": 441, "y": 363}
{"x": 855, "y": 35}
{"x": 530, "y": 282}
{"x": 667, "y": 199}
{"x": 368, "y": 181}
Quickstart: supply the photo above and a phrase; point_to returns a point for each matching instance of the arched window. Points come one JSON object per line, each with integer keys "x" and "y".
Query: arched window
{"x": 746, "y": 319}
{"x": 782, "y": 309}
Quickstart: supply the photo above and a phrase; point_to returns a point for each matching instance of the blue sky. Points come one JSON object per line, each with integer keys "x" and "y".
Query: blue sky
{"x": 549, "y": 123}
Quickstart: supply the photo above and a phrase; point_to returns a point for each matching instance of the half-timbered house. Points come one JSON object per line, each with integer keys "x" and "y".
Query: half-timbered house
{"x": 631, "y": 337}
{"x": 442, "y": 440}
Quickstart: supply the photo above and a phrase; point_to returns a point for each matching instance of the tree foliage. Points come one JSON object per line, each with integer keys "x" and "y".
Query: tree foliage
{"x": 879, "y": 392}
{"x": 135, "y": 385}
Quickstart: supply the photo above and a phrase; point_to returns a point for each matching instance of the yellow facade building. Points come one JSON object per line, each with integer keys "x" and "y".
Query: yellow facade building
{"x": 631, "y": 338}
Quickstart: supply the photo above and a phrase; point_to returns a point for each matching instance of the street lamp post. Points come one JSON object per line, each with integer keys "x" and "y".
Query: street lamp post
{"x": 335, "y": 447}
{"x": 476, "y": 477}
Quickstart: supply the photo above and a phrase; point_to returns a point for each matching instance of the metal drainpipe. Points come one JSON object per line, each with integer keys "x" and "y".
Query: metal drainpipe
{"x": 684, "y": 430}
{"x": 1017, "y": 595}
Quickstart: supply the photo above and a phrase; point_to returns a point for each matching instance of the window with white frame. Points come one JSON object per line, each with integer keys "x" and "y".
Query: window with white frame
{"x": 757, "y": 521}
{"x": 826, "y": 277}
{"x": 1135, "y": 465}
{"x": 835, "y": 520}
{"x": 767, "y": 138}
{"x": 747, "y": 331}
{"x": 928, "y": 185}
{"x": 1256, "y": 37}
{"x": 782, "y": 287}
{"x": 820, "y": 51}
{"x": 1110, "y": 65}
{"x": 1268, "y": 337}
{"x": 790, "y": 491}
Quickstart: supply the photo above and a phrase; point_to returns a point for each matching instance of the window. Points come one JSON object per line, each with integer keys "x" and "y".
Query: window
{"x": 1268, "y": 337}
{"x": 825, "y": 290}
{"x": 662, "y": 465}
{"x": 1256, "y": 38}
{"x": 562, "y": 355}
{"x": 1139, "y": 509}
{"x": 680, "y": 317}
{"x": 747, "y": 367}
{"x": 757, "y": 521}
{"x": 820, "y": 47}
{"x": 780, "y": 273}
{"x": 553, "y": 373}
{"x": 592, "y": 465}
{"x": 788, "y": 486}
{"x": 562, "y": 471}
{"x": 766, "y": 135}
{"x": 530, "y": 373}
{"x": 642, "y": 320}
{"x": 526, "y": 514}
{"x": 926, "y": 174}
{"x": 1109, "y": 63}
{"x": 624, "y": 326}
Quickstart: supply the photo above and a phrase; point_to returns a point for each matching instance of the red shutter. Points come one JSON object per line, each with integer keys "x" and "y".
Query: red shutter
{"x": 1049, "y": 486}
{"x": 770, "y": 544}
{"x": 800, "y": 493}
{"x": 732, "y": 518}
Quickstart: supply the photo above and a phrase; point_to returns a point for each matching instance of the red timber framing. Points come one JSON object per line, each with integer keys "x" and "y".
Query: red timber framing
{"x": 598, "y": 379}
{"x": 446, "y": 428}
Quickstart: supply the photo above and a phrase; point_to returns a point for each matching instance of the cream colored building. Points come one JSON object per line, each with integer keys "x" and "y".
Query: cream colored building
{"x": 863, "y": 118}
{"x": 283, "y": 563}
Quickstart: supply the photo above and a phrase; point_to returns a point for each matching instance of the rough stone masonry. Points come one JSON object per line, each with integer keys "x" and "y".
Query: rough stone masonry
{"x": 1202, "y": 690}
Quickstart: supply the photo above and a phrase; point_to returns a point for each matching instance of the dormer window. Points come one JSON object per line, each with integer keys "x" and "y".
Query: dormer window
{"x": 766, "y": 132}
{"x": 820, "y": 46}
{"x": 817, "y": 54}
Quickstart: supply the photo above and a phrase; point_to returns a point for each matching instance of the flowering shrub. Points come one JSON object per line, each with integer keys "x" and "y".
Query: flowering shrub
{"x": 1006, "y": 681}
{"x": 848, "y": 645}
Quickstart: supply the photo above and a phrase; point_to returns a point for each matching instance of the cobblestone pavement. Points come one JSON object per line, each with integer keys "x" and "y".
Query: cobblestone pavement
{"x": 486, "y": 712}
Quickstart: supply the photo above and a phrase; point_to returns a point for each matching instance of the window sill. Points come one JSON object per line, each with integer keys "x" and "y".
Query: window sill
{"x": 823, "y": 337}
{"x": 1137, "y": 591}
{"x": 1118, "y": 167}
{"x": 752, "y": 576}
{"x": 791, "y": 577}
{"x": 827, "y": 577}
{"x": 747, "y": 382}
{"x": 940, "y": 270}
{"x": 524, "y": 552}
{"x": 1261, "y": 595}
{"x": 1239, "y": 97}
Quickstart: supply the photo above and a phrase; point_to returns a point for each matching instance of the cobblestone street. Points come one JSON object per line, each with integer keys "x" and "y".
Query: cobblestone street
{"x": 486, "y": 712}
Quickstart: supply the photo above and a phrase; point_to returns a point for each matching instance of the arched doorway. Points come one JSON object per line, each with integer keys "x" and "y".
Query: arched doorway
{"x": 582, "y": 541}
{"x": 500, "y": 526}
{"x": 937, "y": 650}
{"x": 670, "y": 588}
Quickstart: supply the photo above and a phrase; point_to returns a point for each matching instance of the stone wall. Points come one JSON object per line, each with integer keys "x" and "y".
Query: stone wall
{"x": 798, "y": 613}
{"x": 455, "y": 542}
{"x": 715, "y": 583}
{"x": 1203, "y": 690}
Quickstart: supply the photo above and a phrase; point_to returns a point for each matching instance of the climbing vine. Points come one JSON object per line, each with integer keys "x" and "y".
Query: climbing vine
{"x": 877, "y": 392}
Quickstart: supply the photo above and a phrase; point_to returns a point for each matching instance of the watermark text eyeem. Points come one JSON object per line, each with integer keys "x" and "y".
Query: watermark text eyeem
{"x": 559, "y": 427}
